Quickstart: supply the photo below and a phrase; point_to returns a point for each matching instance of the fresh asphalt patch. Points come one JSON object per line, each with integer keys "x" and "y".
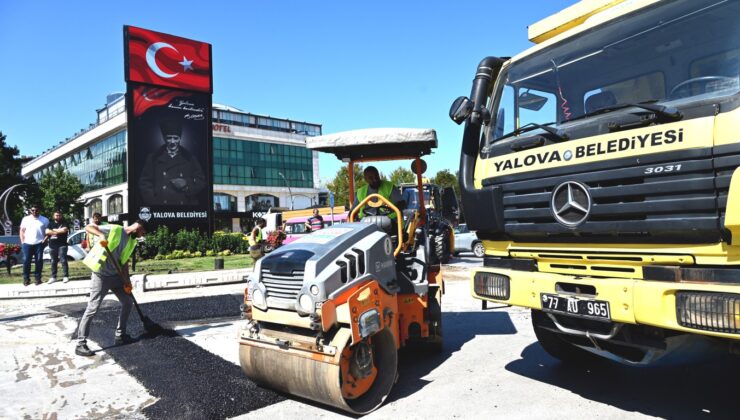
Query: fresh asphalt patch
{"x": 189, "y": 382}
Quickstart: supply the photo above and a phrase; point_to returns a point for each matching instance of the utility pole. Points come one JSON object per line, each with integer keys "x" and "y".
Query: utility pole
{"x": 287, "y": 184}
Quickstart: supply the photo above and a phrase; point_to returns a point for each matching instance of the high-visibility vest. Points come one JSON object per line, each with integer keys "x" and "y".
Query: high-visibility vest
{"x": 385, "y": 189}
{"x": 256, "y": 240}
{"x": 97, "y": 255}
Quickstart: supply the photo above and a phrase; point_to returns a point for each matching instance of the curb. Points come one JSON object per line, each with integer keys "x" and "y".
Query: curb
{"x": 140, "y": 282}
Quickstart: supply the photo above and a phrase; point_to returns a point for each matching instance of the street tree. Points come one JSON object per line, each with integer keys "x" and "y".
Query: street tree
{"x": 339, "y": 185}
{"x": 402, "y": 175}
{"x": 445, "y": 178}
{"x": 60, "y": 190}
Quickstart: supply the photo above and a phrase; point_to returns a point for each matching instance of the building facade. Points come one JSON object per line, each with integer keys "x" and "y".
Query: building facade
{"x": 259, "y": 163}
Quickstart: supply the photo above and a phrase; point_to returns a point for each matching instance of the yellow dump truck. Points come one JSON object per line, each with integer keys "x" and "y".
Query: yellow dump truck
{"x": 600, "y": 170}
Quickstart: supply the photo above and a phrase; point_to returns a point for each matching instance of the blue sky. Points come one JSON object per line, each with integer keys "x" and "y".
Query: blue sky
{"x": 346, "y": 65}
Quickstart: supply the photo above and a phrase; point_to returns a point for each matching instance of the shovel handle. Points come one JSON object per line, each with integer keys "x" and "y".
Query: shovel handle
{"x": 127, "y": 287}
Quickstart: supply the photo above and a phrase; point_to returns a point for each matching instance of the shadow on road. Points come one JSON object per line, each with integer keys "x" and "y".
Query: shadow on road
{"x": 683, "y": 385}
{"x": 188, "y": 381}
{"x": 191, "y": 382}
{"x": 458, "y": 328}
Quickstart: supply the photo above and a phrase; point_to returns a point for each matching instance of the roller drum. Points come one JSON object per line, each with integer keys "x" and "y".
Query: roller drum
{"x": 318, "y": 378}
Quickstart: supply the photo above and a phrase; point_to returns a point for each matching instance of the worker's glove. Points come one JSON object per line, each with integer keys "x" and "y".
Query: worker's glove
{"x": 180, "y": 184}
{"x": 127, "y": 287}
{"x": 103, "y": 243}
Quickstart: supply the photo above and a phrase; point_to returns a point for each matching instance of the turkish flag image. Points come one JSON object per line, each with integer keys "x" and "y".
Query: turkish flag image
{"x": 167, "y": 60}
{"x": 146, "y": 97}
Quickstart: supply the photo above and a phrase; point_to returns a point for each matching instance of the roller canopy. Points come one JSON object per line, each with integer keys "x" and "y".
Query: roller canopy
{"x": 376, "y": 143}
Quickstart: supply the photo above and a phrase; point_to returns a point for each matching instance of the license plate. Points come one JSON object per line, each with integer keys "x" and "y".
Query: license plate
{"x": 569, "y": 305}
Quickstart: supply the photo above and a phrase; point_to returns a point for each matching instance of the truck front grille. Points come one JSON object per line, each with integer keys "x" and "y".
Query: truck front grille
{"x": 282, "y": 286}
{"x": 628, "y": 204}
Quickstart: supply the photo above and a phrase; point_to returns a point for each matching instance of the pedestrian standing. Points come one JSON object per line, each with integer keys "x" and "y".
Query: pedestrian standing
{"x": 315, "y": 222}
{"x": 255, "y": 240}
{"x": 33, "y": 240}
{"x": 57, "y": 231}
{"x": 112, "y": 252}
{"x": 97, "y": 220}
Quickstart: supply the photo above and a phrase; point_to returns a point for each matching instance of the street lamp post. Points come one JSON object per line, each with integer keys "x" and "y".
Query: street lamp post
{"x": 287, "y": 184}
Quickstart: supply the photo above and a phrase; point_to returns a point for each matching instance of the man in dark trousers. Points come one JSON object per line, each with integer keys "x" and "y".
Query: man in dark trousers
{"x": 120, "y": 242}
{"x": 57, "y": 231}
{"x": 171, "y": 175}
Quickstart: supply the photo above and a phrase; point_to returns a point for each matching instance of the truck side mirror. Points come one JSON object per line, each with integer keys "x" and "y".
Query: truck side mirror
{"x": 461, "y": 109}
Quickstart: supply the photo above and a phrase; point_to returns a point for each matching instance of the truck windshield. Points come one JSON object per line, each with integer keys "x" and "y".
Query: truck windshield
{"x": 677, "y": 51}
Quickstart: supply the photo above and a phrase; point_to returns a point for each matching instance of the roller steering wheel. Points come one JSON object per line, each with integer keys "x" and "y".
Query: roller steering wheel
{"x": 377, "y": 201}
{"x": 694, "y": 80}
{"x": 381, "y": 208}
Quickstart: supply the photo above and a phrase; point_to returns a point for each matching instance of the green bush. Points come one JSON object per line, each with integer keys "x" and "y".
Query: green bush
{"x": 233, "y": 242}
{"x": 163, "y": 244}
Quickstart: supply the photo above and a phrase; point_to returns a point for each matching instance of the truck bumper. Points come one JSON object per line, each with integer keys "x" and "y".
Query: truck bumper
{"x": 631, "y": 301}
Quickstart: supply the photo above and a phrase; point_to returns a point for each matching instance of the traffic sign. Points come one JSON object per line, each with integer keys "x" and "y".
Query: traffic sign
{"x": 331, "y": 199}
{"x": 76, "y": 225}
{"x": 8, "y": 225}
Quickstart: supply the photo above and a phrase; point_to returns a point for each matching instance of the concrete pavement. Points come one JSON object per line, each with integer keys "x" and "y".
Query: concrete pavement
{"x": 491, "y": 366}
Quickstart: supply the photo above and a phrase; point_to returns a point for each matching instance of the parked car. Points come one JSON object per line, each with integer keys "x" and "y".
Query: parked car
{"x": 467, "y": 241}
{"x": 15, "y": 258}
{"x": 76, "y": 244}
{"x": 295, "y": 227}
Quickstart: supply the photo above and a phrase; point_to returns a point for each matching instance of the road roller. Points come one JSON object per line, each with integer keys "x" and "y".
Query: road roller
{"x": 327, "y": 314}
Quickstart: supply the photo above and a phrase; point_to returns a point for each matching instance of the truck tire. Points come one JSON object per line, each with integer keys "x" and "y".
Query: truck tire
{"x": 442, "y": 248}
{"x": 479, "y": 250}
{"x": 556, "y": 346}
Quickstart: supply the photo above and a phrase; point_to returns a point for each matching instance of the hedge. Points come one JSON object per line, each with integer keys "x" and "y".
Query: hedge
{"x": 165, "y": 242}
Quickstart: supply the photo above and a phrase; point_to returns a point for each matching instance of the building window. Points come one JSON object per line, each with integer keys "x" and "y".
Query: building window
{"x": 242, "y": 162}
{"x": 261, "y": 202}
{"x": 96, "y": 206}
{"x": 100, "y": 165}
{"x": 115, "y": 204}
{"x": 224, "y": 202}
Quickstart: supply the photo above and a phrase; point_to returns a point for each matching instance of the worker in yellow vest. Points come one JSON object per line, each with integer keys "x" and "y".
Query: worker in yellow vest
{"x": 256, "y": 240}
{"x": 375, "y": 185}
{"x": 121, "y": 242}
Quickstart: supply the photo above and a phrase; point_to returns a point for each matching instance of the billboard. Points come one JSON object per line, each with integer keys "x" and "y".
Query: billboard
{"x": 169, "y": 130}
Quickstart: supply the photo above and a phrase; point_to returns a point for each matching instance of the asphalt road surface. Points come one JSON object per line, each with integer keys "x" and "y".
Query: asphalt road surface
{"x": 491, "y": 366}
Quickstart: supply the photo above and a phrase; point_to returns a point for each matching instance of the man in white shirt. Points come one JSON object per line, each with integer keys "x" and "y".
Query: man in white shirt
{"x": 33, "y": 240}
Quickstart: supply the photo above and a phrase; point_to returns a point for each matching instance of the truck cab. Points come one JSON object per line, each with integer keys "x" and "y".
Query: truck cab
{"x": 600, "y": 170}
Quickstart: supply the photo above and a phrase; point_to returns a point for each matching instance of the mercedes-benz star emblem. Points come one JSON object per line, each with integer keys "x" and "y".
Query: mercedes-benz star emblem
{"x": 571, "y": 203}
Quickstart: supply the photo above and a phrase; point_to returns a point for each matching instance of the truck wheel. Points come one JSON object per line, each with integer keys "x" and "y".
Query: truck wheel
{"x": 433, "y": 255}
{"x": 442, "y": 248}
{"x": 556, "y": 346}
{"x": 479, "y": 250}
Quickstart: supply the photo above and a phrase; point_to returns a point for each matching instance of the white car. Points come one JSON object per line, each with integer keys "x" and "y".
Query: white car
{"x": 467, "y": 241}
{"x": 75, "y": 249}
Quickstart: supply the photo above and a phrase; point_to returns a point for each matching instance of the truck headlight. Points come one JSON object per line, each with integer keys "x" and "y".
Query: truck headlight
{"x": 306, "y": 303}
{"x": 369, "y": 323}
{"x": 709, "y": 311}
{"x": 492, "y": 285}
{"x": 258, "y": 299}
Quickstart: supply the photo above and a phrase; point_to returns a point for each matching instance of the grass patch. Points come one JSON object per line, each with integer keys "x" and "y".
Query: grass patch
{"x": 78, "y": 271}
